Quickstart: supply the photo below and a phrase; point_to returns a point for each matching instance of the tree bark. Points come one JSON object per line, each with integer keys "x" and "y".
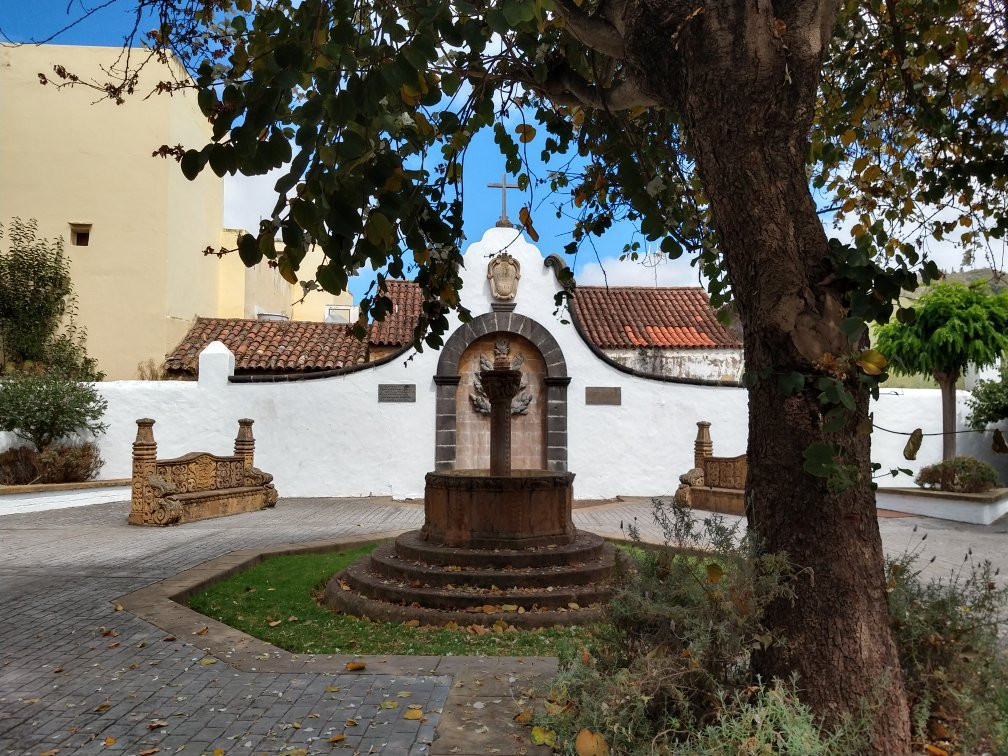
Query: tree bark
{"x": 746, "y": 81}
{"x": 947, "y": 382}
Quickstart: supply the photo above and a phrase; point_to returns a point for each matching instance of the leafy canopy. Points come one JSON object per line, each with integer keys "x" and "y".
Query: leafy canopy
{"x": 370, "y": 108}
{"x": 955, "y": 326}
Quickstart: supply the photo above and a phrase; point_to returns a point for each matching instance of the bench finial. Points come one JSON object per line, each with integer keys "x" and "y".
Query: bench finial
{"x": 703, "y": 446}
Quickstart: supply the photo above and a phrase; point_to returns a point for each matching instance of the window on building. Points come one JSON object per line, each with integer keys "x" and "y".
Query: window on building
{"x": 80, "y": 234}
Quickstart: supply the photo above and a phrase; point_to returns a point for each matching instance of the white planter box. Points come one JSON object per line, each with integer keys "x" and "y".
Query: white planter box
{"x": 979, "y": 509}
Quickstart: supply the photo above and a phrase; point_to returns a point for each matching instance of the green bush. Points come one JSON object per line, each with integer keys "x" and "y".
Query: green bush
{"x": 42, "y": 408}
{"x": 960, "y": 475}
{"x": 671, "y": 672}
{"x": 38, "y": 324}
{"x": 60, "y": 463}
{"x": 989, "y": 402}
{"x": 955, "y": 668}
{"x": 769, "y": 720}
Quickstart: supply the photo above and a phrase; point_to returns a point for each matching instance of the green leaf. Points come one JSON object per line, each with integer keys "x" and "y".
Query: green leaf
{"x": 818, "y": 459}
{"x": 248, "y": 250}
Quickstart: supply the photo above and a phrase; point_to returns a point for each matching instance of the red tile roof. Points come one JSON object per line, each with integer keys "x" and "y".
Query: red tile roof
{"x": 631, "y": 317}
{"x": 270, "y": 346}
{"x": 397, "y": 328}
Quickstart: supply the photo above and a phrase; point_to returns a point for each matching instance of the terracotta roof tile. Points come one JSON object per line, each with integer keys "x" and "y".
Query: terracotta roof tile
{"x": 397, "y": 328}
{"x": 631, "y": 317}
{"x": 270, "y": 346}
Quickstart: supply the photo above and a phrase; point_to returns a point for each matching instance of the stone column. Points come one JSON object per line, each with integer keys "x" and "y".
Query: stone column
{"x": 144, "y": 465}
{"x": 244, "y": 446}
{"x": 703, "y": 446}
{"x": 500, "y": 384}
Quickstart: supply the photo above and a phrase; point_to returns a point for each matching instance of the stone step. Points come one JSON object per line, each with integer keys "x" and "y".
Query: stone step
{"x": 359, "y": 577}
{"x": 584, "y": 548}
{"x": 386, "y": 562}
{"x": 351, "y": 602}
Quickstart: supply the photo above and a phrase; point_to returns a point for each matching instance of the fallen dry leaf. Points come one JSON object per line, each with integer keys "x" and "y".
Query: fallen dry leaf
{"x": 412, "y": 623}
{"x": 389, "y": 704}
{"x": 155, "y": 724}
{"x": 207, "y": 661}
{"x": 58, "y": 669}
{"x": 110, "y": 741}
{"x": 331, "y": 689}
{"x": 119, "y": 607}
{"x": 109, "y": 632}
{"x": 523, "y": 717}
{"x": 169, "y": 638}
{"x": 274, "y": 623}
{"x": 337, "y": 739}
{"x": 590, "y": 743}
{"x": 113, "y": 645}
{"x": 203, "y": 630}
{"x": 351, "y": 723}
{"x": 101, "y": 708}
{"x": 218, "y": 752}
{"x": 149, "y": 752}
{"x": 542, "y": 736}
{"x": 30, "y": 700}
{"x": 403, "y": 694}
{"x": 296, "y": 725}
{"x": 51, "y": 752}
{"x": 413, "y": 714}
{"x": 355, "y": 666}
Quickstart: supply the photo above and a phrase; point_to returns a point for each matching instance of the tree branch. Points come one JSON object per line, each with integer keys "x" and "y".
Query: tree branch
{"x": 568, "y": 88}
{"x": 594, "y": 32}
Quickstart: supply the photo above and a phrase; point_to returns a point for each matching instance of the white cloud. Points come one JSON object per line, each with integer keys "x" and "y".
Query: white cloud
{"x": 249, "y": 199}
{"x": 649, "y": 271}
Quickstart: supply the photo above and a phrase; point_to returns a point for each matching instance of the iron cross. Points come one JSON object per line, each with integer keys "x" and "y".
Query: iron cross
{"x": 503, "y": 221}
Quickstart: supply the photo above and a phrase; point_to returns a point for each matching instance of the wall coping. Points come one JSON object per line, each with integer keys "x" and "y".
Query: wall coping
{"x": 54, "y": 487}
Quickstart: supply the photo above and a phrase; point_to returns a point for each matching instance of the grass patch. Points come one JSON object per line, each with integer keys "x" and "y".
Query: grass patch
{"x": 275, "y": 602}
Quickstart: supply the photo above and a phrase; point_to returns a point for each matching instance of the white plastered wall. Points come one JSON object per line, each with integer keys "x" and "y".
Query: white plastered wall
{"x": 332, "y": 437}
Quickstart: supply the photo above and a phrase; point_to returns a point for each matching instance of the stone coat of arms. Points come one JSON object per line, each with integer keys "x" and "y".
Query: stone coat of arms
{"x": 504, "y": 272}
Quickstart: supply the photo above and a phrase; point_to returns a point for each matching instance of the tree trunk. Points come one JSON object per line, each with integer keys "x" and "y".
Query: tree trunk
{"x": 947, "y": 382}
{"x": 746, "y": 82}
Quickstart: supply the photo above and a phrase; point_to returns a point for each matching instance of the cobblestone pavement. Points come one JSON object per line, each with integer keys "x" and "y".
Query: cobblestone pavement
{"x": 79, "y": 675}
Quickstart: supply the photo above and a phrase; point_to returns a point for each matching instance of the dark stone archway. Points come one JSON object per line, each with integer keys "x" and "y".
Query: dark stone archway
{"x": 447, "y": 380}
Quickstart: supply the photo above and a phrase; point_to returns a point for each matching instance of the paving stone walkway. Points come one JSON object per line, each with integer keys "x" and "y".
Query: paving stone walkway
{"x": 79, "y": 675}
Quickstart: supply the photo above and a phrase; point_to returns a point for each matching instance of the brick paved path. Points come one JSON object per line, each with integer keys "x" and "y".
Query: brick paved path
{"x": 76, "y": 673}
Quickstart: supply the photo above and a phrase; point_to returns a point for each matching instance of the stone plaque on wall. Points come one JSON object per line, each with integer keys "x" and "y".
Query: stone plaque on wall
{"x": 603, "y": 395}
{"x": 396, "y": 392}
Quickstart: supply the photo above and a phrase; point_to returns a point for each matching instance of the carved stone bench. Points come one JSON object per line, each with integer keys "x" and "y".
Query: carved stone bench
{"x": 196, "y": 486}
{"x": 716, "y": 484}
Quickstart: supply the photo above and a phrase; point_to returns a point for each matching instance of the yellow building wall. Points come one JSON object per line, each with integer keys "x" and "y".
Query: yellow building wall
{"x": 69, "y": 157}
{"x": 314, "y": 303}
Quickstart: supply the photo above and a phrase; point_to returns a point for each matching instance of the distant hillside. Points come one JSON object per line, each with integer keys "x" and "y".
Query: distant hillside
{"x": 997, "y": 280}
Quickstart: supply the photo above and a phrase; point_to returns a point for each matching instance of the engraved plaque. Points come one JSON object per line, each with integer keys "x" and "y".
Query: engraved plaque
{"x": 603, "y": 395}
{"x": 396, "y": 392}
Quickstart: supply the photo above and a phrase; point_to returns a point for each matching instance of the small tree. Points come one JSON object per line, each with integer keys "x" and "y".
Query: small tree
{"x": 955, "y": 326}
{"x": 44, "y": 407}
{"x": 37, "y": 305}
{"x": 989, "y": 403}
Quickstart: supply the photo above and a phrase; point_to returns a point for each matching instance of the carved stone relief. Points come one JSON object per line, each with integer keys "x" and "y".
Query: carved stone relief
{"x": 504, "y": 272}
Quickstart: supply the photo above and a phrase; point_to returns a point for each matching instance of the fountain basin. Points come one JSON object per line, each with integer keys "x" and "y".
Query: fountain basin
{"x": 474, "y": 509}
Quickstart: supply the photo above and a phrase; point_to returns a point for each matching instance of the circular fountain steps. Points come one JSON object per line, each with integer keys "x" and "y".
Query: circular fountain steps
{"x": 412, "y": 579}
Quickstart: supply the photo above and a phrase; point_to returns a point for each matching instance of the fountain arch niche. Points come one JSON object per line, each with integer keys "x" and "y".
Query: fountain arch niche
{"x": 498, "y": 542}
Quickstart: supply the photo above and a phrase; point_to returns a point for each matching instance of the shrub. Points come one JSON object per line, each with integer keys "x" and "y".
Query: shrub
{"x": 38, "y": 324}
{"x": 961, "y": 475}
{"x": 60, "y": 463}
{"x": 954, "y": 666}
{"x": 989, "y": 402}
{"x": 671, "y": 671}
{"x": 42, "y": 408}
{"x": 17, "y": 466}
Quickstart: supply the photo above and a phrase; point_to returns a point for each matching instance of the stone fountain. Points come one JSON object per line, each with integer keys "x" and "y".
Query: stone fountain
{"x": 496, "y": 544}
